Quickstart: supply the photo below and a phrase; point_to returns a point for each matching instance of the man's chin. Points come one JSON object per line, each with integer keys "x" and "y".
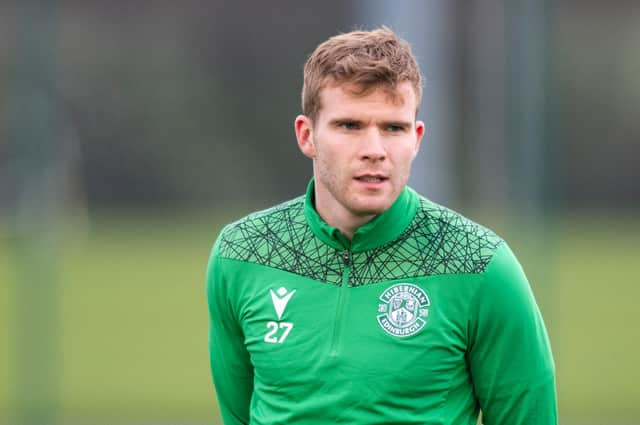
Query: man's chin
{"x": 370, "y": 208}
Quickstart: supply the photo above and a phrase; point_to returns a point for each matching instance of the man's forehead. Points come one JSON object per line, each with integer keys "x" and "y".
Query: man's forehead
{"x": 396, "y": 94}
{"x": 337, "y": 96}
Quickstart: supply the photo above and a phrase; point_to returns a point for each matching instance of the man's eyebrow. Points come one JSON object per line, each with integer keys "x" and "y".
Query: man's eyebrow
{"x": 341, "y": 120}
{"x": 344, "y": 120}
{"x": 403, "y": 124}
{"x": 338, "y": 121}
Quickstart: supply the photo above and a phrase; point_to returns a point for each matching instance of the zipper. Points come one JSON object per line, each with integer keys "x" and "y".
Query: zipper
{"x": 337, "y": 325}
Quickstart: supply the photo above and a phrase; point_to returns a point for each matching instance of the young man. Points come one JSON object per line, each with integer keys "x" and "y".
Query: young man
{"x": 363, "y": 302}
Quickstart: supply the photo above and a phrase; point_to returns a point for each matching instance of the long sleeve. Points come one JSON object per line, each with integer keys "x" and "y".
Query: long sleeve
{"x": 230, "y": 364}
{"x": 510, "y": 356}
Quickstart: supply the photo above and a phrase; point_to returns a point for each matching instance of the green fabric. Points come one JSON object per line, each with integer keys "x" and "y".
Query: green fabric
{"x": 424, "y": 318}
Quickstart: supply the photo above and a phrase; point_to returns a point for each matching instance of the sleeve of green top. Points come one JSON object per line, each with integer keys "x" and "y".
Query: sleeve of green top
{"x": 230, "y": 365}
{"x": 509, "y": 352}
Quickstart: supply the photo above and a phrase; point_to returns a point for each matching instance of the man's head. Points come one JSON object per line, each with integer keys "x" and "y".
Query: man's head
{"x": 361, "y": 94}
{"x": 362, "y": 59}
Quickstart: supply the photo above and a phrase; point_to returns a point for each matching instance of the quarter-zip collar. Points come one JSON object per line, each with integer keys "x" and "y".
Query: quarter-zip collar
{"x": 382, "y": 229}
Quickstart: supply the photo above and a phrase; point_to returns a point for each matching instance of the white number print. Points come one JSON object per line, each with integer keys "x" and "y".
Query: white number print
{"x": 274, "y": 327}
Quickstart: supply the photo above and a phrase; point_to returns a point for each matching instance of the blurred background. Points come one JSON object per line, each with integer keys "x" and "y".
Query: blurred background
{"x": 131, "y": 131}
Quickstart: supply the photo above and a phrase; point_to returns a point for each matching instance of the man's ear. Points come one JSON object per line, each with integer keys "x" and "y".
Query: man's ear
{"x": 419, "y": 133}
{"x": 304, "y": 135}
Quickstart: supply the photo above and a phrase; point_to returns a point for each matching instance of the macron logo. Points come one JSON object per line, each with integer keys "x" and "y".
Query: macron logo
{"x": 280, "y": 300}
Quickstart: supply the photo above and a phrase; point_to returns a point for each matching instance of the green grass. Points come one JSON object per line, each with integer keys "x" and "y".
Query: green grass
{"x": 597, "y": 339}
{"x": 5, "y": 335}
{"x": 585, "y": 272}
{"x": 135, "y": 323}
{"x": 133, "y": 318}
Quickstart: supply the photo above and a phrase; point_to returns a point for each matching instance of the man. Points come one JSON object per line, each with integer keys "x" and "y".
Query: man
{"x": 363, "y": 302}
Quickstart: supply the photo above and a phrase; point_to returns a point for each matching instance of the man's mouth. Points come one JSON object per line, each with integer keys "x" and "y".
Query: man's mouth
{"x": 371, "y": 179}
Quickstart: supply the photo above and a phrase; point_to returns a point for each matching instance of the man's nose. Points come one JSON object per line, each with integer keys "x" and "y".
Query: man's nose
{"x": 372, "y": 146}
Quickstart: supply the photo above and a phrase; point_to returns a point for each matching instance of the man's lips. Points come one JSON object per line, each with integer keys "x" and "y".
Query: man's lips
{"x": 371, "y": 178}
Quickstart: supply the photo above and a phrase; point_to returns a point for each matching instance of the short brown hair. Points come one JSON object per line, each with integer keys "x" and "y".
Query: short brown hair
{"x": 366, "y": 59}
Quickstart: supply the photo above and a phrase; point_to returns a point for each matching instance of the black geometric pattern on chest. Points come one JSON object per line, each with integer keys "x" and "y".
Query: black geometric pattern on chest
{"x": 437, "y": 241}
{"x": 281, "y": 238}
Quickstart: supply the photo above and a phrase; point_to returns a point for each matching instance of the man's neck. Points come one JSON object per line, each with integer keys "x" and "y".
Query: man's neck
{"x": 342, "y": 219}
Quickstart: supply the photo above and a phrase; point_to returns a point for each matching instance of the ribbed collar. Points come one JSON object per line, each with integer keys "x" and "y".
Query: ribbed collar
{"x": 382, "y": 229}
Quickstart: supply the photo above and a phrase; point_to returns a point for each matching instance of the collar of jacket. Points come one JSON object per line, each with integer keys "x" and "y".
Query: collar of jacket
{"x": 382, "y": 229}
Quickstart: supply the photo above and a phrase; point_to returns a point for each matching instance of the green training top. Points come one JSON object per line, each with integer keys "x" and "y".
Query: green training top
{"x": 423, "y": 318}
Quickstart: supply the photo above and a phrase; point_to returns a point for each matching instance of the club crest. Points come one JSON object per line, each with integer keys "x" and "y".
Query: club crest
{"x": 403, "y": 311}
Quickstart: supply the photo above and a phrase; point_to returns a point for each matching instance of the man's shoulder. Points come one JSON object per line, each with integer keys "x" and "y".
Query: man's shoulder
{"x": 260, "y": 229}
{"x": 291, "y": 208}
{"x": 444, "y": 219}
{"x": 461, "y": 244}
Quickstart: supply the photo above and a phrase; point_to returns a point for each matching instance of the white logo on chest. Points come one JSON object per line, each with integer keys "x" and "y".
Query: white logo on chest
{"x": 404, "y": 310}
{"x": 280, "y": 300}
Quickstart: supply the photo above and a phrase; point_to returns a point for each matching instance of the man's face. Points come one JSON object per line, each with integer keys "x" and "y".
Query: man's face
{"x": 362, "y": 147}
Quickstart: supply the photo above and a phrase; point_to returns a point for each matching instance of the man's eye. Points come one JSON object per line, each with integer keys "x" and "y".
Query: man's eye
{"x": 394, "y": 128}
{"x": 349, "y": 125}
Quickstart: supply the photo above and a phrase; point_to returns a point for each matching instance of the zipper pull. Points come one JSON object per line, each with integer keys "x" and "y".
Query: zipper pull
{"x": 345, "y": 257}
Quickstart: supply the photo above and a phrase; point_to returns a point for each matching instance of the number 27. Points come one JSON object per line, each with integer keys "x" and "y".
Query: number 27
{"x": 273, "y": 329}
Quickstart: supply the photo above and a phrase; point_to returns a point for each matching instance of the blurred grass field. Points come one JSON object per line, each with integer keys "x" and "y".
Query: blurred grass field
{"x": 133, "y": 321}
